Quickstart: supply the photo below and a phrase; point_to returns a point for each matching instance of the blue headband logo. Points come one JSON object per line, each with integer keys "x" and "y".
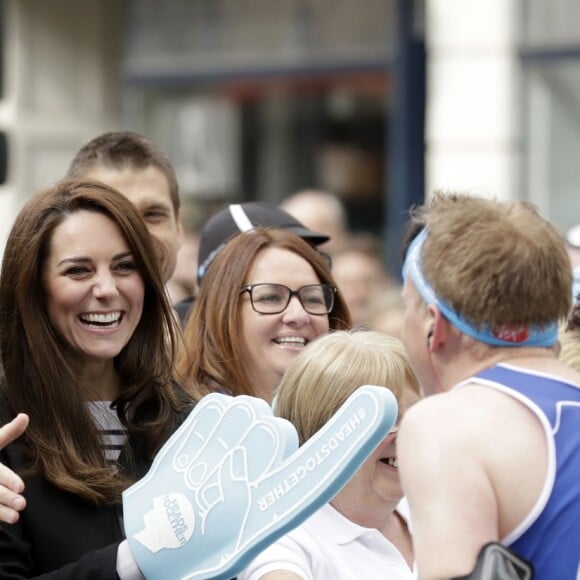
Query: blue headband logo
{"x": 504, "y": 335}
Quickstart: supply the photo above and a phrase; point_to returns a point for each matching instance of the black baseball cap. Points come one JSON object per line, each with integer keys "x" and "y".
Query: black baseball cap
{"x": 244, "y": 217}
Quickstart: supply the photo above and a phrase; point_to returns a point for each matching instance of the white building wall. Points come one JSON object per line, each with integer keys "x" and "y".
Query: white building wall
{"x": 60, "y": 89}
{"x": 472, "y": 141}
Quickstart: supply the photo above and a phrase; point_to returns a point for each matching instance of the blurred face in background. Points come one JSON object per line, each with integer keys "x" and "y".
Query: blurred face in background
{"x": 359, "y": 277}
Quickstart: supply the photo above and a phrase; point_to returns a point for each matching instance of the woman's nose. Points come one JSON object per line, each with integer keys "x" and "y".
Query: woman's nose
{"x": 105, "y": 285}
{"x": 295, "y": 312}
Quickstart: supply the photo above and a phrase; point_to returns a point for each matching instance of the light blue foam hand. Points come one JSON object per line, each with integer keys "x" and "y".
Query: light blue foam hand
{"x": 231, "y": 480}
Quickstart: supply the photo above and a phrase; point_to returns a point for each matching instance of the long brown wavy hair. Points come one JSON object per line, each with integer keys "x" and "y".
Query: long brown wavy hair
{"x": 62, "y": 442}
{"x": 212, "y": 359}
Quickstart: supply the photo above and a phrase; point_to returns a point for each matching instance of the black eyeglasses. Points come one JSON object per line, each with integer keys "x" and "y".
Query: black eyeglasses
{"x": 317, "y": 299}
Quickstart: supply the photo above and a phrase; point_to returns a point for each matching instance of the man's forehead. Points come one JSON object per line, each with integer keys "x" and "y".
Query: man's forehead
{"x": 146, "y": 188}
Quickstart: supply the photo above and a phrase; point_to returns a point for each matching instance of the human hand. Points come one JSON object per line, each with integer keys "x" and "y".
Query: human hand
{"x": 230, "y": 481}
{"x": 11, "y": 485}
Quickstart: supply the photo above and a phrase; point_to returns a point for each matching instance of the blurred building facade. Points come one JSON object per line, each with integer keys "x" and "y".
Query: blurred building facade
{"x": 379, "y": 101}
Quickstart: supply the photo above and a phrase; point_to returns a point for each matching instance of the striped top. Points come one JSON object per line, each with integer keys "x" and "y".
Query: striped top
{"x": 112, "y": 432}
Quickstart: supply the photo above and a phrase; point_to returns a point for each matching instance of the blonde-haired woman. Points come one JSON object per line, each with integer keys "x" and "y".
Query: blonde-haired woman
{"x": 363, "y": 532}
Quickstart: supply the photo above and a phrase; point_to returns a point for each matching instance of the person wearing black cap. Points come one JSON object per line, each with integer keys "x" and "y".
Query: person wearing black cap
{"x": 236, "y": 218}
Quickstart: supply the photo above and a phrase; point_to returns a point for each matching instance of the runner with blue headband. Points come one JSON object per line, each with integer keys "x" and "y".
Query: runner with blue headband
{"x": 489, "y": 458}
{"x": 503, "y": 335}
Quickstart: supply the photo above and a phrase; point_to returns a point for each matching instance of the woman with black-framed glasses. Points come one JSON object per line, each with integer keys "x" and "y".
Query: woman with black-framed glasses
{"x": 266, "y": 296}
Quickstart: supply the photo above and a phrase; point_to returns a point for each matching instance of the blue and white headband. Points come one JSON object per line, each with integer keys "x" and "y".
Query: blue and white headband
{"x": 503, "y": 335}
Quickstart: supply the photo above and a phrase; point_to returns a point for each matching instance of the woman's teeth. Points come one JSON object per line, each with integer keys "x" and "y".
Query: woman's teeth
{"x": 291, "y": 340}
{"x": 101, "y": 319}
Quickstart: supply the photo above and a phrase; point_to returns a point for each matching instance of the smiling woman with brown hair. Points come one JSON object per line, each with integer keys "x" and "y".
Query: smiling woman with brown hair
{"x": 255, "y": 313}
{"x": 87, "y": 343}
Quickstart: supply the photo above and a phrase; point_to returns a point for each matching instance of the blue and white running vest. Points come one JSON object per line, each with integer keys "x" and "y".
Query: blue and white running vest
{"x": 549, "y": 536}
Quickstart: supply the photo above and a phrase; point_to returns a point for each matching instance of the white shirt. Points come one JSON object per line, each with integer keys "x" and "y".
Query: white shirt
{"x": 328, "y": 546}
